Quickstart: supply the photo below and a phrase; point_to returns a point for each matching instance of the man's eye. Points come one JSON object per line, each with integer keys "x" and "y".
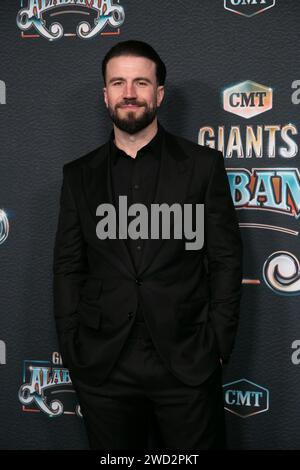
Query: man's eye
{"x": 142, "y": 83}
{"x": 117, "y": 83}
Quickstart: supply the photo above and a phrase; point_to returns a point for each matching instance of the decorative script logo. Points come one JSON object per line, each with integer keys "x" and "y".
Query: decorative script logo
{"x": 105, "y": 11}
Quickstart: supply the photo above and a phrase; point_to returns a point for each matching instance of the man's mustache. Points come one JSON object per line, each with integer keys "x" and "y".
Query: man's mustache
{"x": 130, "y": 102}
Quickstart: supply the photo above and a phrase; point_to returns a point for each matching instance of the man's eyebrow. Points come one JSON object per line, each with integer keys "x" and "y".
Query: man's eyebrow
{"x": 137, "y": 78}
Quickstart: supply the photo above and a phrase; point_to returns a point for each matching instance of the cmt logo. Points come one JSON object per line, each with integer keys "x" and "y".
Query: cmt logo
{"x": 248, "y": 8}
{"x": 244, "y": 398}
{"x": 247, "y": 99}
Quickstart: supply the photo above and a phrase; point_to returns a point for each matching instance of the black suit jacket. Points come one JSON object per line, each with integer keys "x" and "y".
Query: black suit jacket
{"x": 190, "y": 298}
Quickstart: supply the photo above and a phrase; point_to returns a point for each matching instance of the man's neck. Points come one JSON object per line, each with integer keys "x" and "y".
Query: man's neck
{"x": 131, "y": 143}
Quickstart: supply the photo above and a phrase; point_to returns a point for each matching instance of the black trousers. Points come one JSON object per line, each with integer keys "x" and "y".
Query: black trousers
{"x": 141, "y": 394}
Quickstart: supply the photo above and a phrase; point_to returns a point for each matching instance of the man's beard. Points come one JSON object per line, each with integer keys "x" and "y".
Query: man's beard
{"x": 132, "y": 123}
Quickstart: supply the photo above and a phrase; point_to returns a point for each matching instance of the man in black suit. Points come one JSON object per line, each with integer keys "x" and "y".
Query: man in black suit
{"x": 144, "y": 324}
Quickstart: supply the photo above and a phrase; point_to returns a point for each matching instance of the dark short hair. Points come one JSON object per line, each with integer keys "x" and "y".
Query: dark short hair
{"x": 136, "y": 49}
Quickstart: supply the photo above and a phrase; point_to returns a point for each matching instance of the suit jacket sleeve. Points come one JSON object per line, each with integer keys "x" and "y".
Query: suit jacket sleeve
{"x": 69, "y": 263}
{"x": 224, "y": 257}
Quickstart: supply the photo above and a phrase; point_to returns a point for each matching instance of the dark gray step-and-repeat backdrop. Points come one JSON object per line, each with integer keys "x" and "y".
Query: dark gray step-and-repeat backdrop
{"x": 233, "y": 83}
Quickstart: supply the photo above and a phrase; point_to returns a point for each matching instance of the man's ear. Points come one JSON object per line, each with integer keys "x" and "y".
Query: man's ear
{"x": 105, "y": 96}
{"x": 160, "y": 94}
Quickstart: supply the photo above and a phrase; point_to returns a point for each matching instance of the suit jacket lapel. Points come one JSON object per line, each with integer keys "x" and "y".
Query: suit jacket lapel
{"x": 98, "y": 190}
{"x": 172, "y": 186}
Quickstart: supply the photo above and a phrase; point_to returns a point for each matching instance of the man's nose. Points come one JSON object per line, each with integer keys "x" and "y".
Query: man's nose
{"x": 129, "y": 90}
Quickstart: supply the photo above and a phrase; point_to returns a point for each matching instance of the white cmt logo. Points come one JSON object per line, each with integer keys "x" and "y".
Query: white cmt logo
{"x": 244, "y": 398}
{"x": 248, "y": 8}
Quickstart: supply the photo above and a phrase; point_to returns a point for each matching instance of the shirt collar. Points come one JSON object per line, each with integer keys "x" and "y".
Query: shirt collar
{"x": 154, "y": 146}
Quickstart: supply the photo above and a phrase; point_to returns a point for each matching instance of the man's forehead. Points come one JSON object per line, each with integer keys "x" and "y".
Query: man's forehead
{"x": 129, "y": 62}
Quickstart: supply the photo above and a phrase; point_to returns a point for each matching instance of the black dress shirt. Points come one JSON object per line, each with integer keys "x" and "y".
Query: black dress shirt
{"x": 136, "y": 178}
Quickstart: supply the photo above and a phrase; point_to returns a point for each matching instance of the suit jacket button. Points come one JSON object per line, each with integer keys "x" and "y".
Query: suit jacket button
{"x": 138, "y": 281}
{"x": 130, "y": 315}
